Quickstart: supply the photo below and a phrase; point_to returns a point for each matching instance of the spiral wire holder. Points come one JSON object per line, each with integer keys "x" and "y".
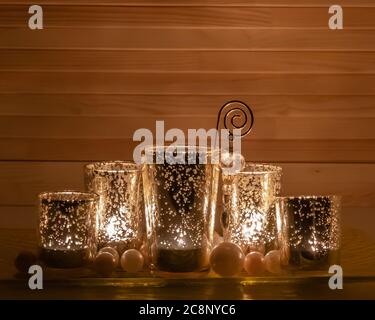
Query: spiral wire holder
{"x": 235, "y": 115}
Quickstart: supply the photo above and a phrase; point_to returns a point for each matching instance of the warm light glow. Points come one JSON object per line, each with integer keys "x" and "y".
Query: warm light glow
{"x": 111, "y": 228}
{"x": 314, "y": 243}
{"x": 253, "y": 226}
{"x": 181, "y": 242}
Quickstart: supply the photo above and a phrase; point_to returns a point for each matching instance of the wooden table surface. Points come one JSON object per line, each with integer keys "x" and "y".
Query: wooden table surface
{"x": 357, "y": 260}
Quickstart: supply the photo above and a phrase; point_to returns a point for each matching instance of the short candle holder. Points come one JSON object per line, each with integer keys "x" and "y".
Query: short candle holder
{"x": 312, "y": 230}
{"x": 67, "y": 228}
{"x": 250, "y": 219}
{"x": 120, "y": 222}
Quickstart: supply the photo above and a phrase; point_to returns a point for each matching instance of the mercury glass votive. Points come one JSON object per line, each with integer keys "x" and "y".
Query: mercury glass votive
{"x": 120, "y": 222}
{"x": 250, "y": 219}
{"x": 313, "y": 231}
{"x": 180, "y": 204}
{"x": 67, "y": 228}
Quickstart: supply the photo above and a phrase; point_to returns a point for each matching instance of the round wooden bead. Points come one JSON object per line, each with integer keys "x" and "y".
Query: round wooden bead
{"x": 105, "y": 263}
{"x": 24, "y": 260}
{"x": 132, "y": 260}
{"x": 227, "y": 259}
{"x": 113, "y": 252}
{"x": 272, "y": 261}
{"x": 254, "y": 263}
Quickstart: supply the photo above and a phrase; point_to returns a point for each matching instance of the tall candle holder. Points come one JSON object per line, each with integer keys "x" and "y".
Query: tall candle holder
{"x": 67, "y": 228}
{"x": 250, "y": 219}
{"x": 180, "y": 203}
{"x": 120, "y": 222}
{"x": 313, "y": 230}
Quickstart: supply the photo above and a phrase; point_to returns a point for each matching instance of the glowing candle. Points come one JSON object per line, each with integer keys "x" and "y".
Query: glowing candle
{"x": 120, "y": 222}
{"x": 67, "y": 228}
{"x": 180, "y": 204}
{"x": 313, "y": 230}
{"x": 249, "y": 204}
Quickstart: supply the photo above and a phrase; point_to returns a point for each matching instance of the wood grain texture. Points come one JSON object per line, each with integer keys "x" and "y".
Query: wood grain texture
{"x": 189, "y": 39}
{"x": 75, "y": 149}
{"x": 72, "y": 287}
{"x": 245, "y": 3}
{"x": 189, "y": 83}
{"x": 155, "y": 16}
{"x": 312, "y": 106}
{"x": 125, "y": 126}
{"x": 20, "y": 182}
{"x": 22, "y": 217}
{"x": 187, "y": 61}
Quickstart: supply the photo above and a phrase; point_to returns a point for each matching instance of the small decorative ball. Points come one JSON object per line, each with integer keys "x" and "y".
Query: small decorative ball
{"x": 227, "y": 259}
{"x": 132, "y": 260}
{"x": 272, "y": 261}
{"x": 113, "y": 252}
{"x": 105, "y": 263}
{"x": 24, "y": 260}
{"x": 259, "y": 248}
{"x": 254, "y": 263}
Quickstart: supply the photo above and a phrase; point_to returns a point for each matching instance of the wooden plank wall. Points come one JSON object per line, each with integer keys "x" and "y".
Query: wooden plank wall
{"x": 76, "y": 90}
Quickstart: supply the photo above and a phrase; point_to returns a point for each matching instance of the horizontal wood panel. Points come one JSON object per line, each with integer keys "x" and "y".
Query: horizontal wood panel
{"x": 192, "y": 39}
{"x": 197, "y": 2}
{"x": 18, "y": 217}
{"x": 355, "y": 151}
{"x": 355, "y": 182}
{"x": 188, "y": 83}
{"x": 333, "y": 106}
{"x": 124, "y": 127}
{"x": 188, "y": 61}
{"x": 80, "y": 16}
{"x": 361, "y": 219}
{"x": 20, "y": 182}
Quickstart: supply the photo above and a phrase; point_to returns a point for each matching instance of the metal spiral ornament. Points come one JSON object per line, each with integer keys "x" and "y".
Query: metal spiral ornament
{"x": 235, "y": 115}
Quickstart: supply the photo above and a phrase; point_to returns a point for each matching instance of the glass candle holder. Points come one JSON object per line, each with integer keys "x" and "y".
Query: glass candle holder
{"x": 313, "y": 231}
{"x": 67, "y": 228}
{"x": 180, "y": 203}
{"x": 119, "y": 218}
{"x": 250, "y": 219}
